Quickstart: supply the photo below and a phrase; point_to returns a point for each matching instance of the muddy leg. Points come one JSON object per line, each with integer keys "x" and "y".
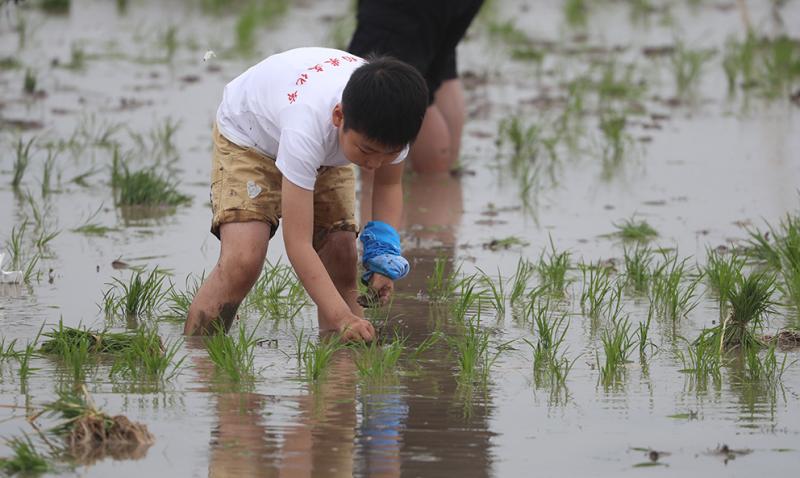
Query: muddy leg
{"x": 339, "y": 255}
{"x": 241, "y": 258}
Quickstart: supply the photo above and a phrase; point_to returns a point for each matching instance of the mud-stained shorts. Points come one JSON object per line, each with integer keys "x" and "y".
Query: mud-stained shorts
{"x": 246, "y": 186}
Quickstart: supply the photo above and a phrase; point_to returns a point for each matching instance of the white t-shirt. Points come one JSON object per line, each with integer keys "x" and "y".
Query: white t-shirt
{"x": 283, "y": 107}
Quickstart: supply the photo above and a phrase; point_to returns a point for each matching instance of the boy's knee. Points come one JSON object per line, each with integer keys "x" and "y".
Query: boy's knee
{"x": 242, "y": 270}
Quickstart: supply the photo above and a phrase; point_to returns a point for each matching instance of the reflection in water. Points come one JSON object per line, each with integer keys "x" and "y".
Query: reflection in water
{"x": 413, "y": 424}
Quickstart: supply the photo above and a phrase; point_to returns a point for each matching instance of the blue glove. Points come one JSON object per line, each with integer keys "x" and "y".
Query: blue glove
{"x": 382, "y": 252}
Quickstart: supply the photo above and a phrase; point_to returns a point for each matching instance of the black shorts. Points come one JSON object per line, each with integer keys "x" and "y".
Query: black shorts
{"x": 422, "y": 33}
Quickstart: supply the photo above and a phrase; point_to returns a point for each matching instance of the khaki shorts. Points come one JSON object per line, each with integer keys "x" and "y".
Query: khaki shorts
{"x": 246, "y": 186}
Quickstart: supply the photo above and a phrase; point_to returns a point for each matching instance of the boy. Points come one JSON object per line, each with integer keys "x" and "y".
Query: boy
{"x": 286, "y": 134}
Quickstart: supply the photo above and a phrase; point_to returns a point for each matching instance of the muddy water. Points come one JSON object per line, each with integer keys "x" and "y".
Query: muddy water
{"x": 709, "y": 167}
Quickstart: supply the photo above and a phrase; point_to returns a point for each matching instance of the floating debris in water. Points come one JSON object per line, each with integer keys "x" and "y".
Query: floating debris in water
{"x": 209, "y": 55}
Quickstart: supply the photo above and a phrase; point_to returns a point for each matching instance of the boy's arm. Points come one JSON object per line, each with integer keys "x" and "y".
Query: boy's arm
{"x": 387, "y": 194}
{"x": 298, "y": 222}
{"x": 387, "y": 206}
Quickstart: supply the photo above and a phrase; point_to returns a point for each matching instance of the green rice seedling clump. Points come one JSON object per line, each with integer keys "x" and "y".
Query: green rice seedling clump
{"x": 442, "y": 284}
{"x": 552, "y": 269}
{"x": 495, "y": 291}
{"x": 467, "y": 297}
{"x": 471, "y": 347}
{"x": 234, "y": 358}
{"x": 519, "y": 282}
{"x": 29, "y": 85}
{"x": 633, "y": 230}
{"x": 702, "y": 360}
{"x": 179, "y": 301}
{"x": 672, "y": 293}
{"x": 142, "y": 188}
{"x": 26, "y": 460}
{"x": 722, "y": 273}
{"x": 768, "y": 66}
{"x": 21, "y": 161}
{"x": 148, "y": 358}
{"x": 316, "y": 357}
{"x": 779, "y": 249}
{"x": 376, "y": 361}
{"x": 596, "y": 288}
{"x": 143, "y": 294}
{"x": 617, "y": 342}
{"x": 750, "y": 304}
{"x": 637, "y": 268}
{"x": 8, "y": 350}
{"x": 277, "y": 292}
{"x": 687, "y": 68}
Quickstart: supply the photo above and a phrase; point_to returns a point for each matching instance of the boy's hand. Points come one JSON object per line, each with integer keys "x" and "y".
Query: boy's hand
{"x": 356, "y": 329}
{"x": 383, "y": 287}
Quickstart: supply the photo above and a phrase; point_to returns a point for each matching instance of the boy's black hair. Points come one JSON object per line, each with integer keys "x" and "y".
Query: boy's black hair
{"x": 385, "y": 100}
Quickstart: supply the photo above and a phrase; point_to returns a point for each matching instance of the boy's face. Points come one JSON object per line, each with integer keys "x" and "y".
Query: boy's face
{"x": 360, "y": 150}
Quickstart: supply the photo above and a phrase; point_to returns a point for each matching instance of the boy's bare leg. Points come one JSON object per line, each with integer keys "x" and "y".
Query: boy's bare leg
{"x": 340, "y": 257}
{"x": 439, "y": 141}
{"x": 241, "y": 258}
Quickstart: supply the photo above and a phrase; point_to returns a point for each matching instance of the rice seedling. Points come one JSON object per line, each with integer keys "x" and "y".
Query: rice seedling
{"x": 178, "y": 301}
{"x": 471, "y": 346}
{"x": 750, "y": 304}
{"x": 277, "y": 292}
{"x": 596, "y": 288}
{"x": 633, "y": 230}
{"x": 24, "y": 359}
{"x": 89, "y": 433}
{"x": 31, "y": 272}
{"x": 16, "y": 244}
{"x": 618, "y": 84}
{"x": 91, "y": 228}
{"x": 637, "y": 267}
{"x": 60, "y": 339}
{"x": 494, "y": 290}
{"x": 77, "y": 57}
{"x": 722, "y": 273}
{"x": 467, "y": 298}
{"x": 55, "y": 6}
{"x": 424, "y": 346}
{"x": 524, "y": 141}
{"x": 687, "y": 68}
{"x": 519, "y": 282}
{"x": 315, "y": 357}
{"x": 643, "y": 336}
{"x": 670, "y": 296}
{"x": 234, "y": 358}
{"x": 29, "y": 84}
{"x": 781, "y": 253}
{"x": 142, "y": 188}
{"x": 376, "y": 361}
{"x": 552, "y": 269}
{"x": 21, "y": 161}
{"x": 148, "y": 358}
{"x": 8, "y": 351}
{"x": 769, "y": 66}
{"x": 616, "y": 141}
{"x": 47, "y": 172}
{"x": 550, "y": 365}
{"x": 26, "y": 460}
{"x": 169, "y": 40}
{"x": 617, "y": 344}
{"x": 701, "y": 360}
{"x": 441, "y": 284}
{"x": 258, "y": 12}
{"x": 767, "y": 369}
{"x": 576, "y": 13}
{"x": 143, "y": 294}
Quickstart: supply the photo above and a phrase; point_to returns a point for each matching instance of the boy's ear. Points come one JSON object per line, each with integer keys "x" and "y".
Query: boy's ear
{"x": 338, "y": 115}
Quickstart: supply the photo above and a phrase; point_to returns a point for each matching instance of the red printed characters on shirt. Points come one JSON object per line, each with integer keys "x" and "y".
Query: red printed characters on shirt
{"x": 318, "y": 68}
{"x": 332, "y": 61}
{"x": 302, "y": 79}
{"x": 292, "y": 97}
{"x": 349, "y": 58}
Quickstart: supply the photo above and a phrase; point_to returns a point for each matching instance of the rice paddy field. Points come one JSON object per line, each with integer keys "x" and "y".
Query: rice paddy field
{"x": 607, "y": 285}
